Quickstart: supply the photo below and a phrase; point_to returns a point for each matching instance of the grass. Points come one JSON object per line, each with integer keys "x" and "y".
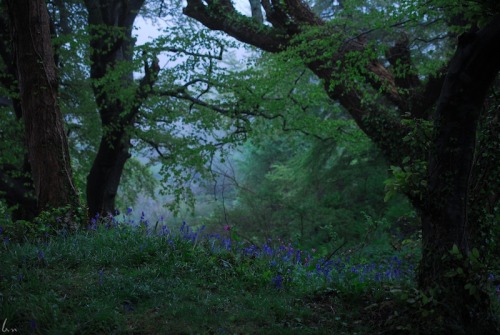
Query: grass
{"x": 114, "y": 279}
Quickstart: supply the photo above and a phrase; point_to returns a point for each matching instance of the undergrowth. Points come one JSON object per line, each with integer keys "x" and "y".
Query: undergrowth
{"x": 113, "y": 278}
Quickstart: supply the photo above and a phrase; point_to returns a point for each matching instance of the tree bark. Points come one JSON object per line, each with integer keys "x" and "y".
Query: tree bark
{"x": 256, "y": 11}
{"x": 445, "y": 219}
{"x": 38, "y": 83}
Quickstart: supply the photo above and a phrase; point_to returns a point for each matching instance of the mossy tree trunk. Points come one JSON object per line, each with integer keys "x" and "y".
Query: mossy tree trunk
{"x": 446, "y": 224}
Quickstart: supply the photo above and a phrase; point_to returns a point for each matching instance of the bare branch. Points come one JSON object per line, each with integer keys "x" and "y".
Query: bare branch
{"x": 156, "y": 148}
{"x": 256, "y": 11}
{"x": 195, "y": 54}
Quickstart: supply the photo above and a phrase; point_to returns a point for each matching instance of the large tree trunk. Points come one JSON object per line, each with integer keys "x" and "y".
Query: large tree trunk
{"x": 445, "y": 219}
{"x": 46, "y": 140}
{"x": 111, "y": 23}
{"x": 104, "y": 177}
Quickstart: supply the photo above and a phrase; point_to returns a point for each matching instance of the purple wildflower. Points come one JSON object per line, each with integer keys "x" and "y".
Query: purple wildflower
{"x": 101, "y": 276}
{"x": 278, "y": 282}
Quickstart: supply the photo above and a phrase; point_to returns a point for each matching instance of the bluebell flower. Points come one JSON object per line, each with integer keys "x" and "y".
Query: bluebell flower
{"x": 101, "y": 276}
{"x": 278, "y": 281}
{"x": 164, "y": 230}
{"x": 227, "y": 243}
{"x": 93, "y": 226}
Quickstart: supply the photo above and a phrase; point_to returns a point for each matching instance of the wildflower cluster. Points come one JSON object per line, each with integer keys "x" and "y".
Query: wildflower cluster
{"x": 286, "y": 263}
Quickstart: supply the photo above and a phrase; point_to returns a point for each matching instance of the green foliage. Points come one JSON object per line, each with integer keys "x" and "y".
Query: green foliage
{"x": 138, "y": 179}
{"x": 469, "y": 271}
{"x": 411, "y": 177}
{"x": 314, "y": 192}
{"x": 11, "y": 138}
{"x": 57, "y": 221}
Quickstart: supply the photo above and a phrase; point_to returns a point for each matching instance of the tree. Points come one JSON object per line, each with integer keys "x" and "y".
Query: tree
{"x": 389, "y": 99}
{"x": 38, "y": 85}
{"x": 111, "y": 24}
{"x": 130, "y": 109}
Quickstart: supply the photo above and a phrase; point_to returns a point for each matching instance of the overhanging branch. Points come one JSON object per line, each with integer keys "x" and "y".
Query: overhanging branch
{"x": 222, "y": 16}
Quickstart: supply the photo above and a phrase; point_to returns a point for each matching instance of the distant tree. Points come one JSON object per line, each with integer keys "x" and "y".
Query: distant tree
{"x": 317, "y": 193}
{"x": 148, "y": 110}
{"x": 379, "y": 77}
{"x": 38, "y": 85}
{"x": 111, "y": 23}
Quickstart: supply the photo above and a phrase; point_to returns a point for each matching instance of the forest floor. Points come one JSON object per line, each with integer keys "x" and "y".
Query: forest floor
{"x": 125, "y": 281}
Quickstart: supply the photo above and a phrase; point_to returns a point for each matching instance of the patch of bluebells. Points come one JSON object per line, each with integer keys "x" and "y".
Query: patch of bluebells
{"x": 287, "y": 261}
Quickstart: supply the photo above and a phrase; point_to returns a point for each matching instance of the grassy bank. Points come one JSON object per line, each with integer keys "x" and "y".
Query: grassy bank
{"x": 114, "y": 279}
